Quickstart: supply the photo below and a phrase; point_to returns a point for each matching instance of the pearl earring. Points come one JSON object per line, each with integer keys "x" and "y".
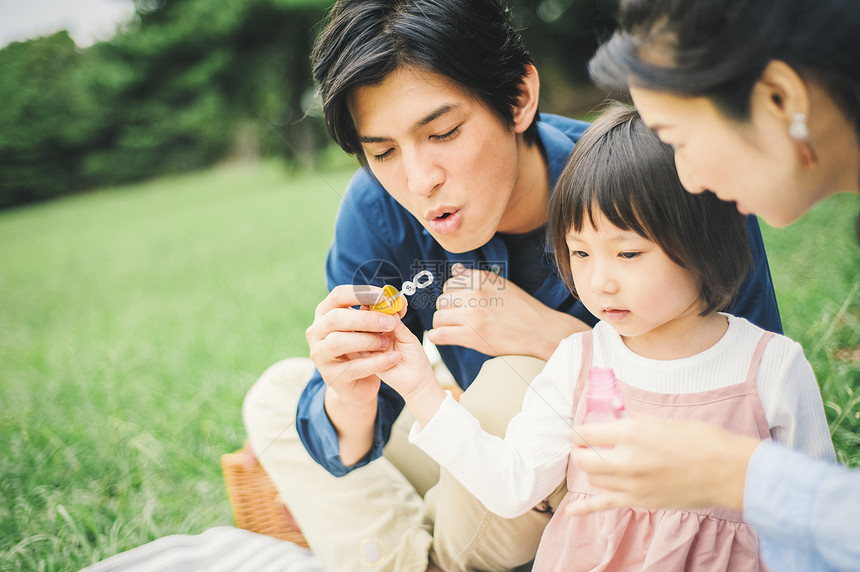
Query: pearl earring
{"x": 800, "y": 133}
{"x": 798, "y": 129}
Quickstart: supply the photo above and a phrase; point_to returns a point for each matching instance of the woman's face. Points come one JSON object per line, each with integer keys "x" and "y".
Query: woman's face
{"x": 754, "y": 163}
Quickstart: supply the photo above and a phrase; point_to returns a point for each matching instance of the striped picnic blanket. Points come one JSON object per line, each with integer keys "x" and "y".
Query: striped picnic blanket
{"x": 219, "y": 549}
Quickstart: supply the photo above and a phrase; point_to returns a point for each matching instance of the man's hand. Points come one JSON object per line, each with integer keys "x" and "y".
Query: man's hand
{"x": 485, "y": 312}
{"x": 347, "y": 347}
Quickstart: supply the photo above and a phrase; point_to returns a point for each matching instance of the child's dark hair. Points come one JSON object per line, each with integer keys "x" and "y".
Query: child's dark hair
{"x": 622, "y": 170}
{"x": 472, "y": 42}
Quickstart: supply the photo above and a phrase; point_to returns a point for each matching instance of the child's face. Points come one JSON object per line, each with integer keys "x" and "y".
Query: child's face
{"x": 629, "y": 282}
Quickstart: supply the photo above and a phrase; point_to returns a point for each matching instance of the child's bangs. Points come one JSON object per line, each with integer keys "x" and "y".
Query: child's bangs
{"x": 603, "y": 193}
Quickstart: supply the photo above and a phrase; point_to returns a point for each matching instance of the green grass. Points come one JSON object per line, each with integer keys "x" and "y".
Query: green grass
{"x": 133, "y": 321}
{"x": 816, "y": 273}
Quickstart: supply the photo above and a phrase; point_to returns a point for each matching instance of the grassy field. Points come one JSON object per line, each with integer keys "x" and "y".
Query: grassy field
{"x": 133, "y": 321}
{"x": 815, "y": 265}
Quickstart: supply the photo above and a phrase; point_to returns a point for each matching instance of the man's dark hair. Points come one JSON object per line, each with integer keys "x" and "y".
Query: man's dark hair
{"x": 622, "y": 170}
{"x": 472, "y": 42}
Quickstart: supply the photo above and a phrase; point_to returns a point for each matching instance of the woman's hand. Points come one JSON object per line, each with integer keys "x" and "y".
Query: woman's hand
{"x": 483, "y": 311}
{"x": 661, "y": 463}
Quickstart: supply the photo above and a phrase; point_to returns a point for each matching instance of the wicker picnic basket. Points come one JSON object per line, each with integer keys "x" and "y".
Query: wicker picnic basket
{"x": 256, "y": 504}
{"x": 254, "y": 498}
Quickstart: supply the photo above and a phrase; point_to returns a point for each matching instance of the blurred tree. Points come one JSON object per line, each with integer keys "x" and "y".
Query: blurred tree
{"x": 562, "y": 35}
{"x": 42, "y": 123}
{"x": 209, "y": 76}
{"x": 188, "y": 83}
{"x": 191, "y": 82}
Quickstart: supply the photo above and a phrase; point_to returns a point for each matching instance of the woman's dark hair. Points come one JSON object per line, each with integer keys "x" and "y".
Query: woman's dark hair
{"x": 720, "y": 48}
{"x": 471, "y": 42}
{"x": 621, "y": 170}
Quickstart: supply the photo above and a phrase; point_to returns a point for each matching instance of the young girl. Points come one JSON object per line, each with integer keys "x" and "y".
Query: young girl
{"x": 654, "y": 263}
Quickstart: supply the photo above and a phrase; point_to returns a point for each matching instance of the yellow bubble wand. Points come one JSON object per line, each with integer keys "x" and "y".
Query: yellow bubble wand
{"x": 392, "y": 301}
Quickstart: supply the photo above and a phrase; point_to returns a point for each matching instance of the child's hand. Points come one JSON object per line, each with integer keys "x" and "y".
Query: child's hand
{"x": 411, "y": 367}
{"x": 412, "y": 375}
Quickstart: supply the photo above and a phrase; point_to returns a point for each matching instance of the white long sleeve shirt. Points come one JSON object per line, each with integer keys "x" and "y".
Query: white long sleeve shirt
{"x": 513, "y": 474}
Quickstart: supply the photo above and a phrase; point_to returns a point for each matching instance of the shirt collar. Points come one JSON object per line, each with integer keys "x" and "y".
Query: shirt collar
{"x": 557, "y": 146}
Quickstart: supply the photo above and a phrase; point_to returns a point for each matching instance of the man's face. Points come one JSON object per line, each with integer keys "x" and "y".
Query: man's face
{"x": 442, "y": 154}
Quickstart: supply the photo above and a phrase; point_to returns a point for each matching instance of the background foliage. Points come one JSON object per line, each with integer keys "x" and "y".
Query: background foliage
{"x": 192, "y": 82}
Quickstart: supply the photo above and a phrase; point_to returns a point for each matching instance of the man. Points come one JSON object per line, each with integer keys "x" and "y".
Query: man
{"x": 438, "y": 99}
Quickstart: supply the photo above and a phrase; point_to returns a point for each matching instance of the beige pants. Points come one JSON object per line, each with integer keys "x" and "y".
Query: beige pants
{"x": 395, "y": 512}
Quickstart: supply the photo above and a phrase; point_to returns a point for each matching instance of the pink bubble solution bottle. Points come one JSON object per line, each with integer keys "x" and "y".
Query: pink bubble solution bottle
{"x": 603, "y": 400}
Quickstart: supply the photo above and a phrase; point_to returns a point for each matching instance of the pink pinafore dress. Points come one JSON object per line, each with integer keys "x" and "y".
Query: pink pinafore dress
{"x": 707, "y": 540}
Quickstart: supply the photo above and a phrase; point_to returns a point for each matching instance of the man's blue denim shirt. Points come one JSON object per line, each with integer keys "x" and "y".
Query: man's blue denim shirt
{"x": 378, "y": 242}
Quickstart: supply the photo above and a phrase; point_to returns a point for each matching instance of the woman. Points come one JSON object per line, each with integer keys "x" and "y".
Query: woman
{"x": 761, "y": 100}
